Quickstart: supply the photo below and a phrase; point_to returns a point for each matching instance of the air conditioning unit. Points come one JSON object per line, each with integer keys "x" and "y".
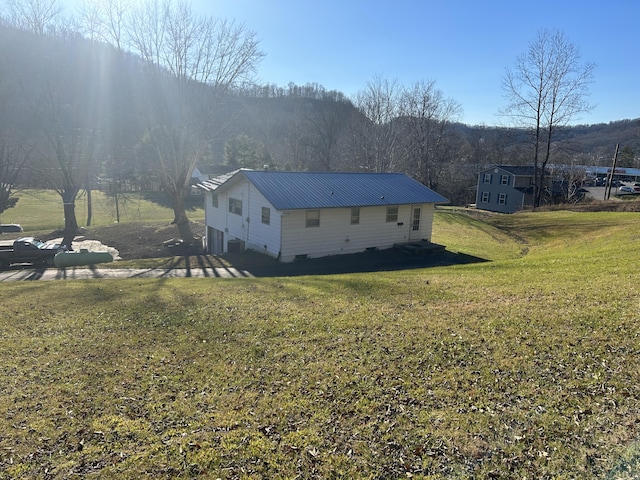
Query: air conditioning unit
{"x": 235, "y": 246}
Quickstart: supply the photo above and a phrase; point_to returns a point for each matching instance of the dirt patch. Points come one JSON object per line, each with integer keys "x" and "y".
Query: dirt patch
{"x": 138, "y": 240}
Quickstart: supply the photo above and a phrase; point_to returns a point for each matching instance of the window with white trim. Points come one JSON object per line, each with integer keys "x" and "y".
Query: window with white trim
{"x": 487, "y": 178}
{"x": 355, "y": 216}
{"x": 312, "y": 218}
{"x": 485, "y": 197}
{"x": 266, "y": 215}
{"x": 392, "y": 214}
{"x": 504, "y": 179}
{"x": 235, "y": 206}
{"x": 502, "y": 199}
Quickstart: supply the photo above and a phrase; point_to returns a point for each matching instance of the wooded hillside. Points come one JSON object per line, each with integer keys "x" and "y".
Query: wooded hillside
{"x": 65, "y": 95}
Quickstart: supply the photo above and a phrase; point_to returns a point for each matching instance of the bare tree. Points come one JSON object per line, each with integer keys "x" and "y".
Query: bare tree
{"x": 427, "y": 118}
{"x": 66, "y": 155}
{"x": 546, "y": 89}
{"x": 14, "y": 156}
{"x": 103, "y": 21}
{"x": 377, "y": 138}
{"x": 205, "y": 57}
{"x": 38, "y": 16}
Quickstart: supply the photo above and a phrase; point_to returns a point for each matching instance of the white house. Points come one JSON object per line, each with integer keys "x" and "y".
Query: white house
{"x": 295, "y": 215}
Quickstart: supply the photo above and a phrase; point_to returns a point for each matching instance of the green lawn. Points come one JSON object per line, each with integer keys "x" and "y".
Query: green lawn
{"x": 527, "y": 366}
{"x": 39, "y": 210}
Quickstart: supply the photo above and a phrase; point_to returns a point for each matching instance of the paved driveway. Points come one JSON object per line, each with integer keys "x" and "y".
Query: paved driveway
{"x": 82, "y": 273}
{"x": 386, "y": 260}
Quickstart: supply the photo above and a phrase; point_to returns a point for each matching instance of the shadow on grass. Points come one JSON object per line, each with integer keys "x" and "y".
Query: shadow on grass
{"x": 379, "y": 261}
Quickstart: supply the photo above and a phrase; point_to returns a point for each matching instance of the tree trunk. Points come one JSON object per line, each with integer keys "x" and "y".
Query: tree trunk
{"x": 89, "y": 208}
{"x": 180, "y": 218}
{"x": 70, "y": 223}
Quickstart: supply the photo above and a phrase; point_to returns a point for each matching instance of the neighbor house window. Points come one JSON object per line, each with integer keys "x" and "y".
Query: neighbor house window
{"x": 355, "y": 216}
{"x": 235, "y": 206}
{"x": 392, "y": 214}
{"x": 487, "y": 178}
{"x": 312, "y": 218}
{"x": 485, "y": 197}
{"x": 214, "y": 200}
{"x": 502, "y": 199}
{"x": 504, "y": 179}
{"x": 266, "y": 215}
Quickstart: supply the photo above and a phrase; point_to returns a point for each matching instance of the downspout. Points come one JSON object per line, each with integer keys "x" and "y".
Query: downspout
{"x": 246, "y": 241}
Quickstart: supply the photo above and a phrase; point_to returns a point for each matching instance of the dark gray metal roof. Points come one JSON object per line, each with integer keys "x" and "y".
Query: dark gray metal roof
{"x": 304, "y": 190}
{"x": 517, "y": 170}
{"x": 213, "y": 183}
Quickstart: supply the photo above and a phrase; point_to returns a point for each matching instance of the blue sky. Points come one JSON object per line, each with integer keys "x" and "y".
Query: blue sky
{"x": 463, "y": 45}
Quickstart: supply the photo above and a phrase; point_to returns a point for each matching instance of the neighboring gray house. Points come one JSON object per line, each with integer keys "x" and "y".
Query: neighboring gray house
{"x": 295, "y": 215}
{"x": 505, "y": 188}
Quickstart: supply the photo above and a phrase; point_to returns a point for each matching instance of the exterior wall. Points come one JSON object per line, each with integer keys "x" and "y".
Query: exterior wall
{"x": 336, "y": 235}
{"x": 494, "y": 188}
{"x": 286, "y": 236}
{"x": 247, "y": 227}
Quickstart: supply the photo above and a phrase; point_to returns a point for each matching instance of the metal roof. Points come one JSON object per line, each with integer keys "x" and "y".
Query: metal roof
{"x": 517, "y": 170}
{"x": 305, "y": 190}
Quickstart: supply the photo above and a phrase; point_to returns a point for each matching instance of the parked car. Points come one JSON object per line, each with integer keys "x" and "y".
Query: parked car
{"x": 10, "y": 227}
{"x": 29, "y": 250}
{"x": 625, "y": 190}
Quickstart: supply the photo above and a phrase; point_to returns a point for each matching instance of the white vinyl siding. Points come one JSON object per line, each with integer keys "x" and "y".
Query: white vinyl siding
{"x": 286, "y": 235}
{"x": 336, "y": 235}
{"x": 247, "y": 227}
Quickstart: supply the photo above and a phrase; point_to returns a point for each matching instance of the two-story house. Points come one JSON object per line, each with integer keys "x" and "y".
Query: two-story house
{"x": 505, "y": 188}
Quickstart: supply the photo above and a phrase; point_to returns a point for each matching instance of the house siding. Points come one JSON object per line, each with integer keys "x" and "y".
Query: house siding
{"x": 336, "y": 235}
{"x": 489, "y": 192}
{"x": 287, "y": 237}
{"x": 247, "y": 227}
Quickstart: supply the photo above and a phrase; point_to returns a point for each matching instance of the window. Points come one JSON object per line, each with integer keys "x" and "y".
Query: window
{"x": 355, "y": 216}
{"x": 504, "y": 179}
{"x": 502, "y": 199}
{"x": 392, "y": 214}
{"x": 266, "y": 215}
{"x": 235, "y": 206}
{"x": 313, "y": 218}
{"x": 214, "y": 200}
{"x": 485, "y": 197}
{"x": 487, "y": 178}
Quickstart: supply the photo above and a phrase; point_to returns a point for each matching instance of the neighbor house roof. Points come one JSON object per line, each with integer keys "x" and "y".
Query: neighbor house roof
{"x": 517, "y": 170}
{"x": 304, "y": 190}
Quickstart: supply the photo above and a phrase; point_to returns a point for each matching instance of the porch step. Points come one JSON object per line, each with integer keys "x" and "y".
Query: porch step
{"x": 419, "y": 247}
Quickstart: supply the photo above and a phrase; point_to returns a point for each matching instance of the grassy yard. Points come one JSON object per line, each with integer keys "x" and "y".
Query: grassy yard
{"x": 42, "y": 209}
{"x": 527, "y": 366}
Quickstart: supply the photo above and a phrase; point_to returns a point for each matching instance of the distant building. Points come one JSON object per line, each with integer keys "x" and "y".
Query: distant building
{"x": 296, "y": 215}
{"x": 505, "y": 188}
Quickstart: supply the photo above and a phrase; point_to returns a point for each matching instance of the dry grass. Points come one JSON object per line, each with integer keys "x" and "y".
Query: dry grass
{"x": 526, "y": 366}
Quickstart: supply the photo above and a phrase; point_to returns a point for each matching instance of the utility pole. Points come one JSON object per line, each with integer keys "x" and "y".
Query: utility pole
{"x": 607, "y": 187}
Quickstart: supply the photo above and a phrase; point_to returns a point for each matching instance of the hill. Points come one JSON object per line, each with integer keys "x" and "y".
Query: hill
{"x": 102, "y": 102}
{"x": 523, "y": 366}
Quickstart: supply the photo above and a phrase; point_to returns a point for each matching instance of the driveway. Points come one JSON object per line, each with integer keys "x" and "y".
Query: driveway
{"x": 83, "y": 273}
{"x": 386, "y": 260}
